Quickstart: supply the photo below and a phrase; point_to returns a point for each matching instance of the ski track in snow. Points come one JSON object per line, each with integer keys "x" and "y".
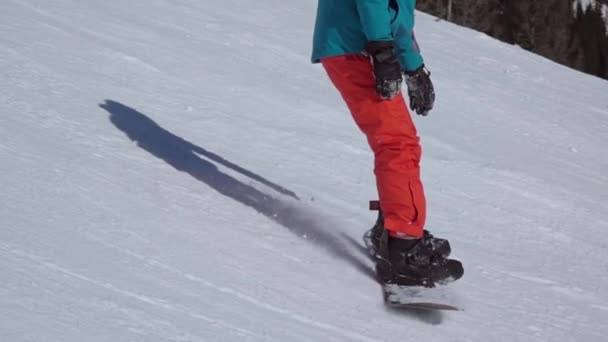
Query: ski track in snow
{"x": 160, "y": 303}
{"x": 176, "y": 170}
{"x": 143, "y": 298}
{"x": 234, "y": 293}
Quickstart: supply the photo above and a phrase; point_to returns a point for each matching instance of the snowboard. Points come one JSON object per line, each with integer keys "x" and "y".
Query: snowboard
{"x": 416, "y": 298}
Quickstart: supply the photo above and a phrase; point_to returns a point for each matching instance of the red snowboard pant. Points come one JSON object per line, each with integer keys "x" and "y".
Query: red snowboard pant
{"x": 392, "y": 136}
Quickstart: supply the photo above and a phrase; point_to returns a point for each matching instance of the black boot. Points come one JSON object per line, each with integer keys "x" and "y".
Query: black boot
{"x": 372, "y": 239}
{"x": 415, "y": 262}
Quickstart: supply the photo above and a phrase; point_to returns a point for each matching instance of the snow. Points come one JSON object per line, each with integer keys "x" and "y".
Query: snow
{"x": 176, "y": 170}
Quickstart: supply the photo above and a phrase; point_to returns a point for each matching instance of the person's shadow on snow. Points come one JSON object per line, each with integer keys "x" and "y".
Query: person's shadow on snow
{"x": 186, "y": 157}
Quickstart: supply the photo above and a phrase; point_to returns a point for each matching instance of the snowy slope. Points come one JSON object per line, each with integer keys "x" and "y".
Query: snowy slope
{"x": 176, "y": 170}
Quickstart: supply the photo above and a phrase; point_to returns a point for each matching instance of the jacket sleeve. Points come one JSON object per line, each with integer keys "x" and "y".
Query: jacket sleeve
{"x": 408, "y": 50}
{"x": 406, "y": 46}
{"x": 375, "y": 19}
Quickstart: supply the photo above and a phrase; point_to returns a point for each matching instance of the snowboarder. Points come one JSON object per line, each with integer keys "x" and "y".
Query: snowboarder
{"x": 367, "y": 48}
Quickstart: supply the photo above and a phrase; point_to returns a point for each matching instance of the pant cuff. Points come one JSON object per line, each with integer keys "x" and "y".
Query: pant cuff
{"x": 411, "y": 229}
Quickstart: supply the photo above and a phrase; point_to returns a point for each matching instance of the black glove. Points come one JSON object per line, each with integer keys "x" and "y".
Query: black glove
{"x": 420, "y": 89}
{"x": 387, "y": 69}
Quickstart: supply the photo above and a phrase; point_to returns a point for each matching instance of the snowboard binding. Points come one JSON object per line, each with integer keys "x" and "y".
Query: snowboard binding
{"x": 410, "y": 262}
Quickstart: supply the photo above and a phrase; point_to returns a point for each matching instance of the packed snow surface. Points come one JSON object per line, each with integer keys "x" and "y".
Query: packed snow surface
{"x": 176, "y": 170}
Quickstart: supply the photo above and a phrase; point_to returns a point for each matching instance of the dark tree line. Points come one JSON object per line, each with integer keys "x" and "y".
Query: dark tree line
{"x": 561, "y": 30}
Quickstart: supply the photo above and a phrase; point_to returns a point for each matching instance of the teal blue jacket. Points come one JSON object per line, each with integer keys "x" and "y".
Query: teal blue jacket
{"x": 345, "y": 26}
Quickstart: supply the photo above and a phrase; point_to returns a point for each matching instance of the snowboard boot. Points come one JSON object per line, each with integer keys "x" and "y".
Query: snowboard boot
{"x": 372, "y": 239}
{"x": 415, "y": 262}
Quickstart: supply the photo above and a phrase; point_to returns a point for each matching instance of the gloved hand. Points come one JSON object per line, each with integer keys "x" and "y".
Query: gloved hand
{"x": 420, "y": 90}
{"x": 387, "y": 69}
